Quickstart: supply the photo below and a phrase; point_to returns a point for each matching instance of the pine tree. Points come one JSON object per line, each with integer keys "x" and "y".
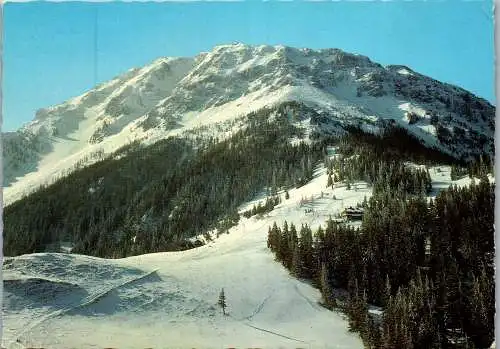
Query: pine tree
{"x": 270, "y": 239}
{"x": 365, "y": 202}
{"x": 388, "y": 291}
{"x": 222, "y": 301}
{"x": 357, "y": 307}
{"x": 296, "y": 262}
{"x": 329, "y": 182}
{"x": 306, "y": 253}
{"x": 481, "y": 310}
{"x": 284, "y": 254}
{"x": 292, "y": 246}
{"x": 275, "y": 240}
{"x": 326, "y": 288}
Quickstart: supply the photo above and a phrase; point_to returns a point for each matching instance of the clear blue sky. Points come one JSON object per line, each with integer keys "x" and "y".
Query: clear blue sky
{"x": 49, "y": 47}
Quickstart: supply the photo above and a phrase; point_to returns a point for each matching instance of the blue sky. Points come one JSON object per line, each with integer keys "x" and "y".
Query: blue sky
{"x": 49, "y": 47}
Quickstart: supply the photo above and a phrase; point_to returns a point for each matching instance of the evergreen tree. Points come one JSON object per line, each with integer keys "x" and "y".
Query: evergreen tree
{"x": 357, "y": 307}
{"x": 329, "y": 182}
{"x": 326, "y": 288}
{"x": 297, "y": 262}
{"x": 284, "y": 253}
{"x": 222, "y": 301}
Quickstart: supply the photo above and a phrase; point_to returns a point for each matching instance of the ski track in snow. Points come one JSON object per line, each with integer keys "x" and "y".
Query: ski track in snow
{"x": 311, "y": 303}
{"x": 276, "y": 334}
{"x": 258, "y": 309}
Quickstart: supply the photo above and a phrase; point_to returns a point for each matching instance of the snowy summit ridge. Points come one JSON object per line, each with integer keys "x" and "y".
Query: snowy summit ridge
{"x": 172, "y": 95}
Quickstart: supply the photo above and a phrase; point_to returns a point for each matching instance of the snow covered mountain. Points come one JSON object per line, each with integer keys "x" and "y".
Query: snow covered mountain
{"x": 174, "y": 95}
{"x": 235, "y": 141}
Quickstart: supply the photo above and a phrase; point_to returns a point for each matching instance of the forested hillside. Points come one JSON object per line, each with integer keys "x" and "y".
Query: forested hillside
{"x": 150, "y": 199}
{"x": 429, "y": 264}
{"x": 154, "y": 198}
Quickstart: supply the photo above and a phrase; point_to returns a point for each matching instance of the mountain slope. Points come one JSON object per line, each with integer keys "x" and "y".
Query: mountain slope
{"x": 175, "y": 95}
{"x": 160, "y": 194}
{"x": 176, "y": 304}
{"x": 62, "y": 136}
{"x": 160, "y": 298}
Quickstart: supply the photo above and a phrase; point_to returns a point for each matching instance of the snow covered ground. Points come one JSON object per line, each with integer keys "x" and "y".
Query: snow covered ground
{"x": 170, "y": 299}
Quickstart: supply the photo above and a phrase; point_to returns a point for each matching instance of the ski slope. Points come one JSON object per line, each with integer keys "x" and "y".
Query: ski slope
{"x": 170, "y": 299}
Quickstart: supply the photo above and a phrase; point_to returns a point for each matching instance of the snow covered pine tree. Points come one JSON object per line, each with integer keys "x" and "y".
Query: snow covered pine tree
{"x": 222, "y": 301}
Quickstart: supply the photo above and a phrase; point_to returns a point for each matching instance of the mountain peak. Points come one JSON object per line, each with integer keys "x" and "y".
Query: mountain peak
{"x": 173, "y": 94}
